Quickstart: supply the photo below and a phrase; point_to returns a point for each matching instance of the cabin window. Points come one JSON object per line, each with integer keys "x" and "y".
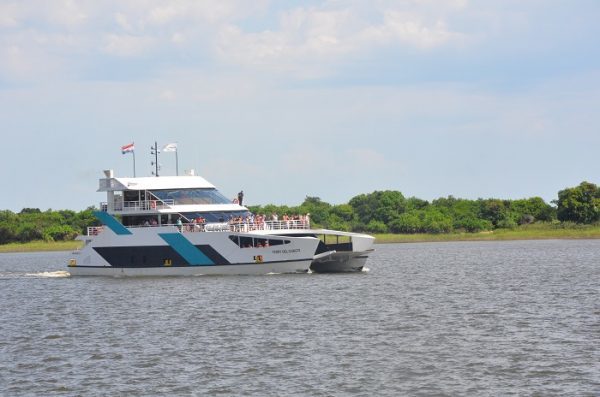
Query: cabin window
{"x": 255, "y": 242}
{"x": 261, "y": 242}
{"x": 246, "y": 242}
{"x": 235, "y": 239}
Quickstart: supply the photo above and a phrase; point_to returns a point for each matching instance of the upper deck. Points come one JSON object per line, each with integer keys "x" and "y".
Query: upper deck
{"x": 162, "y": 195}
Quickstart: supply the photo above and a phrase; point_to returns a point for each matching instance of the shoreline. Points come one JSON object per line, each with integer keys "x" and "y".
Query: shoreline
{"x": 525, "y": 233}
{"x": 41, "y": 246}
{"x": 532, "y": 232}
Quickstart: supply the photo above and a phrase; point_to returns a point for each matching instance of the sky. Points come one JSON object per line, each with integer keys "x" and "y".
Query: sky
{"x": 288, "y": 99}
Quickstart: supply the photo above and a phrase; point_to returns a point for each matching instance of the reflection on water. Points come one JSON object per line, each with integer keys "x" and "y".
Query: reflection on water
{"x": 484, "y": 318}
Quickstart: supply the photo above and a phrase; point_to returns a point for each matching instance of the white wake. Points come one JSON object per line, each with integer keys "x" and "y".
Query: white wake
{"x": 56, "y": 274}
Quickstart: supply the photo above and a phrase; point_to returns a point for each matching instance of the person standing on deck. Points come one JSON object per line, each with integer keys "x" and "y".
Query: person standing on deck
{"x": 240, "y": 197}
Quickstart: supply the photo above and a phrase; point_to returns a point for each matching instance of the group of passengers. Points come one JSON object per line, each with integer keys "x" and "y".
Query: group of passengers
{"x": 151, "y": 222}
{"x": 262, "y": 221}
{"x": 195, "y": 225}
{"x": 250, "y": 222}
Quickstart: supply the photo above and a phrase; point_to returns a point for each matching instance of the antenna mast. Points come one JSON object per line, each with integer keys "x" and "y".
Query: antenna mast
{"x": 154, "y": 151}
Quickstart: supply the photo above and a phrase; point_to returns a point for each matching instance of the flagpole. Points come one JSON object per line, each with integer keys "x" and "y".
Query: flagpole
{"x": 133, "y": 163}
{"x": 177, "y": 162}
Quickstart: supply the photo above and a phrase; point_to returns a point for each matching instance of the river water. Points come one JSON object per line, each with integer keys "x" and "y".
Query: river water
{"x": 484, "y": 318}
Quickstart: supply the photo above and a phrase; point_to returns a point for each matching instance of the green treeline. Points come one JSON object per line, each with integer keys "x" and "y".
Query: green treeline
{"x": 31, "y": 224}
{"x": 390, "y": 212}
{"x": 377, "y": 212}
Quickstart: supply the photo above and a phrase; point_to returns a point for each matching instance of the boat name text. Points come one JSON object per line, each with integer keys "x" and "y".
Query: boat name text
{"x": 290, "y": 251}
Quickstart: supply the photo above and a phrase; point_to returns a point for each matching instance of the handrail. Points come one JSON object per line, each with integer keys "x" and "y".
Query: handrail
{"x": 270, "y": 225}
{"x": 241, "y": 227}
{"x": 143, "y": 205}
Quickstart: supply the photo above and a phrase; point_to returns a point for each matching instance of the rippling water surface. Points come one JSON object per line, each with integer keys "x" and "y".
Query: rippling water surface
{"x": 487, "y": 318}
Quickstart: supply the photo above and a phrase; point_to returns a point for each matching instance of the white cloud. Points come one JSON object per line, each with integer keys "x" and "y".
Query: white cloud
{"x": 168, "y": 95}
{"x": 128, "y": 45}
{"x": 9, "y": 15}
{"x": 411, "y": 30}
{"x": 309, "y": 40}
{"x": 304, "y": 42}
{"x": 123, "y": 21}
{"x": 67, "y": 13}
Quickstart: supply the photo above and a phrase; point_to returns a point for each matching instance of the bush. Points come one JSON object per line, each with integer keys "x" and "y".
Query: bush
{"x": 436, "y": 222}
{"x": 28, "y": 232}
{"x": 59, "y": 233}
{"x": 376, "y": 227}
{"x": 473, "y": 225}
{"x": 409, "y": 222}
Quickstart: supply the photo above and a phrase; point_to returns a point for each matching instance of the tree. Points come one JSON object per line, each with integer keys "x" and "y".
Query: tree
{"x": 344, "y": 211}
{"x": 408, "y": 222}
{"x": 435, "y": 221}
{"x": 382, "y": 206}
{"x": 318, "y": 210}
{"x": 579, "y": 204}
{"x": 377, "y": 227}
{"x": 465, "y": 214}
{"x": 534, "y": 207}
{"x": 414, "y": 203}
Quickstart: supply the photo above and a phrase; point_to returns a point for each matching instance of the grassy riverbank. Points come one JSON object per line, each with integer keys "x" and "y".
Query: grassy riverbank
{"x": 529, "y": 232}
{"x": 41, "y": 246}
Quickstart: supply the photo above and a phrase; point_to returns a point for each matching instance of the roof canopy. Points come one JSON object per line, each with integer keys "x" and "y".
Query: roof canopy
{"x": 154, "y": 183}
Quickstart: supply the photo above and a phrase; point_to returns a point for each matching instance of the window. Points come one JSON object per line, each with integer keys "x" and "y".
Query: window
{"x": 255, "y": 242}
{"x": 192, "y": 196}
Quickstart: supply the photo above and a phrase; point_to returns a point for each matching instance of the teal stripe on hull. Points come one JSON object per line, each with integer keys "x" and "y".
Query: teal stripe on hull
{"x": 111, "y": 223}
{"x": 186, "y": 249}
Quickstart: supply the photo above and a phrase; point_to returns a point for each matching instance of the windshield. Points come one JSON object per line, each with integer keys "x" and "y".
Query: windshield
{"x": 192, "y": 196}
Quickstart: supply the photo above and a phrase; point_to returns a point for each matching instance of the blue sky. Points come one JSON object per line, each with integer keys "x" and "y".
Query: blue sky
{"x": 285, "y": 99}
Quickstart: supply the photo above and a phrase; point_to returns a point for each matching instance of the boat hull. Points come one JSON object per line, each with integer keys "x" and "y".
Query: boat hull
{"x": 166, "y": 251}
{"x": 301, "y": 266}
{"x": 348, "y": 256}
{"x": 345, "y": 262}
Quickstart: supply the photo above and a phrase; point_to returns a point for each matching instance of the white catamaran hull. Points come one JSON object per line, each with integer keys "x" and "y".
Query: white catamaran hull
{"x": 345, "y": 251}
{"x": 166, "y": 251}
{"x": 247, "y": 269}
{"x": 340, "y": 262}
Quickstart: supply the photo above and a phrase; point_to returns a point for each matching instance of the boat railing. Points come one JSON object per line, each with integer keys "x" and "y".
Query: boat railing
{"x": 240, "y": 227}
{"x": 269, "y": 225}
{"x": 137, "y": 206}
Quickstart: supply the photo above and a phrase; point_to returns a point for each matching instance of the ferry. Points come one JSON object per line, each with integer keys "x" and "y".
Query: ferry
{"x": 182, "y": 225}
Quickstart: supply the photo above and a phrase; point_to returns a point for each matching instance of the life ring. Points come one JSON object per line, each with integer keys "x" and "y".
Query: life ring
{"x": 235, "y": 201}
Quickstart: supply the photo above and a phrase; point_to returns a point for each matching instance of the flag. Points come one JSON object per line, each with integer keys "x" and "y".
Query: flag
{"x": 127, "y": 148}
{"x": 170, "y": 147}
